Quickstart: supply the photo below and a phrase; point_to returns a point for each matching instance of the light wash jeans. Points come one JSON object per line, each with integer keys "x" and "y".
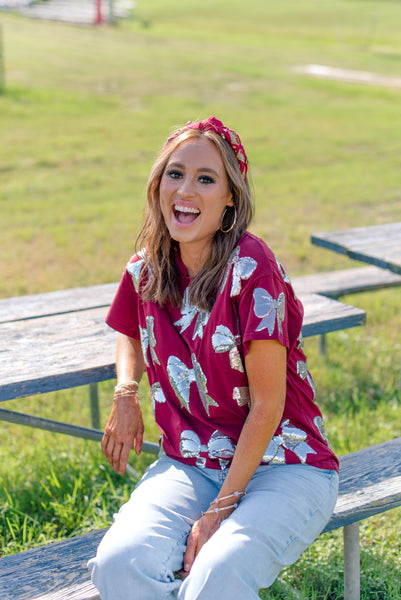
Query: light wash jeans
{"x": 284, "y": 510}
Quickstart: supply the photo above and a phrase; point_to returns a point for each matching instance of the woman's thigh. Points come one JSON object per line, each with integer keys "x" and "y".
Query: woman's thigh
{"x": 285, "y": 509}
{"x": 144, "y": 547}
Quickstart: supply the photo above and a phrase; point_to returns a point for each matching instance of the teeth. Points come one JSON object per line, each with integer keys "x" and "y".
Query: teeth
{"x": 187, "y": 209}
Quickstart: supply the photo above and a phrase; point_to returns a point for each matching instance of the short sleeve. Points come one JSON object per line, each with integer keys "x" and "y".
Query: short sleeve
{"x": 261, "y": 289}
{"x": 262, "y": 309}
{"x": 123, "y": 314}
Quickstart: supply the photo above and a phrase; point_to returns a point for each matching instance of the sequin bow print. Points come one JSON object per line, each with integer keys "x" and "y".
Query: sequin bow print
{"x": 201, "y": 382}
{"x": 181, "y": 377}
{"x": 291, "y": 438}
{"x": 213, "y": 124}
{"x": 135, "y": 268}
{"x": 157, "y": 395}
{"x": 269, "y": 310}
{"x": 282, "y": 271}
{"x": 224, "y": 341}
{"x": 302, "y": 370}
{"x": 188, "y": 314}
{"x": 319, "y": 424}
{"x": 242, "y": 268}
{"x": 241, "y": 396}
{"x": 148, "y": 340}
{"x": 220, "y": 447}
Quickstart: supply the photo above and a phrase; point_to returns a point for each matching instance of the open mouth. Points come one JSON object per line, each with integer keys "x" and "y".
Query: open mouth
{"x": 186, "y": 214}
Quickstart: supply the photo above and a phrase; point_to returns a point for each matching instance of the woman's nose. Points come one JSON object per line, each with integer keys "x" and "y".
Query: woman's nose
{"x": 186, "y": 187}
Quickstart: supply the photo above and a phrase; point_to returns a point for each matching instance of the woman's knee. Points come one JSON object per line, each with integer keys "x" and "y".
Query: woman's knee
{"x": 136, "y": 553}
{"x": 113, "y": 558}
{"x": 221, "y": 571}
{"x": 118, "y": 569}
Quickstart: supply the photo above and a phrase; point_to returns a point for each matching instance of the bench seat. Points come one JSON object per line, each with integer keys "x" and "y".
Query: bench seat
{"x": 34, "y": 306}
{"x": 370, "y": 483}
{"x": 335, "y": 284}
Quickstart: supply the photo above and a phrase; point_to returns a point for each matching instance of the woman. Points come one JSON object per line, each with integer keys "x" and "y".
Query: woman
{"x": 245, "y": 480}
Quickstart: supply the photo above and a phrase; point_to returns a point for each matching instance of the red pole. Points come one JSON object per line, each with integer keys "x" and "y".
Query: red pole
{"x": 98, "y": 15}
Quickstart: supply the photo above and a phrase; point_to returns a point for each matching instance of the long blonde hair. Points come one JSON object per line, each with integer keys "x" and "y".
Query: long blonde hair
{"x": 162, "y": 276}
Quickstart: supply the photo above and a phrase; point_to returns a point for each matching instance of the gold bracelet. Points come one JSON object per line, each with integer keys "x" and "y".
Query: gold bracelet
{"x": 122, "y": 389}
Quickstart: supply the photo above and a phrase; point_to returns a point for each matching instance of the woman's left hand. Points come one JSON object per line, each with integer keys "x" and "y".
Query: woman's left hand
{"x": 202, "y": 530}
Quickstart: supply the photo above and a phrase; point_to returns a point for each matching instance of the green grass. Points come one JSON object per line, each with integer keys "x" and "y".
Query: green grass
{"x": 82, "y": 115}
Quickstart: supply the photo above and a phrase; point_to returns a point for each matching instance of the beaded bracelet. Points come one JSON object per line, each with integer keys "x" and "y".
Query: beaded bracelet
{"x": 130, "y": 387}
{"x": 216, "y": 510}
{"x": 235, "y": 494}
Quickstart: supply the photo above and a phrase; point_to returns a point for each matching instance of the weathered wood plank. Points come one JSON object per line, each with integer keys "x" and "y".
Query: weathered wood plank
{"x": 81, "y": 591}
{"x": 40, "y": 573}
{"x": 334, "y": 284}
{"x": 370, "y": 483}
{"x": 363, "y": 236}
{"x": 323, "y": 315}
{"x": 62, "y": 381}
{"x": 58, "y": 352}
{"x": 72, "y": 349}
{"x": 378, "y": 245}
{"x": 58, "y": 302}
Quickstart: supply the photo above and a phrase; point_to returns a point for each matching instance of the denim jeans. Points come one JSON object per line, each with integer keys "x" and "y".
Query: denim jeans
{"x": 284, "y": 510}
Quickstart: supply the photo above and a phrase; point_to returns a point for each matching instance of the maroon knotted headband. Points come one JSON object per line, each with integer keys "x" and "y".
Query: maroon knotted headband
{"x": 213, "y": 124}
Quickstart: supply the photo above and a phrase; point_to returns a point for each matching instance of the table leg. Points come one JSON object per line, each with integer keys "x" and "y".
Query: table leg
{"x": 94, "y": 404}
{"x": 352, "y": 578}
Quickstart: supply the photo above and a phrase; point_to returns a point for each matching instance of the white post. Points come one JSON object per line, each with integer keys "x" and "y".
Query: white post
{"x": 352, "y": 579}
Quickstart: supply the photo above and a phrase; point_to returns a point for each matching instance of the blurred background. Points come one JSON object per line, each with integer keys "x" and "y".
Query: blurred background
{"x": 84, "y": 110}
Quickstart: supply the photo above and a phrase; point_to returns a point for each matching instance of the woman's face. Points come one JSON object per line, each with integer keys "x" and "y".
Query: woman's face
{"x": 194, "y": 193}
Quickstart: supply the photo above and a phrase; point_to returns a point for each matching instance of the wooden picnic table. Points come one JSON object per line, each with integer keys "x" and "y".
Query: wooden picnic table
{"x": 378, "y": 245}
{"x": 58, "y": 351}
{"x": 60, "y": 340}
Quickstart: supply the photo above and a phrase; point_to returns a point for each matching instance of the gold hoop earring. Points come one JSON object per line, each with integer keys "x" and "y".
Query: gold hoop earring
{"x": 233, "y": 223}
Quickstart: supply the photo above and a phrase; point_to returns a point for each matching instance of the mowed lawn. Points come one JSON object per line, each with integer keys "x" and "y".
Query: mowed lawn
{"x": 83, "y": 113}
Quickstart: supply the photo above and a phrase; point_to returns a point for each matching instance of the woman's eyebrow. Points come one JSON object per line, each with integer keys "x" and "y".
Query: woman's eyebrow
{"x": 179, "y": 165}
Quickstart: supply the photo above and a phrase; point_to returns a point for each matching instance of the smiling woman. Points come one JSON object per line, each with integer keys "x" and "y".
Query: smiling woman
{"x": 194, "y": 193}
{"x": 203, "y": 162}
{"x": 209, "y": 312}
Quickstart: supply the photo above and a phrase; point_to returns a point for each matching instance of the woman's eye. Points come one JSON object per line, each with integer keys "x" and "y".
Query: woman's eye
{"x": 174, "y": 174}
{"x": 206, "y": 179}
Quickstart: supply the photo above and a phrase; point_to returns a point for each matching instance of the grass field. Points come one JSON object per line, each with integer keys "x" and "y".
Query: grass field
{"x": 82, "y": 115}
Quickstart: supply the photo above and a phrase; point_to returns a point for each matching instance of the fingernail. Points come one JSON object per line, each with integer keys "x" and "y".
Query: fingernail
{"x": 186, "y": 567}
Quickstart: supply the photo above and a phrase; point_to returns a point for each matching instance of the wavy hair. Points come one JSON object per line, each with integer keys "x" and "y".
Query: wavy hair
{"x": 161, "y": 284}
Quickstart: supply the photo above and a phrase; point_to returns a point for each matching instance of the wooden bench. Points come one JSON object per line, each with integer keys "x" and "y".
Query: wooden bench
{"x": 335, "y": 284}
{"x": 370, "y": 483}
{"x": 69, "y": 348}
{"x": 46, "y": 347}
{"x": 378, "y": 245}
{"x": 34, "y": 306}
{"x": 29, "y": 320}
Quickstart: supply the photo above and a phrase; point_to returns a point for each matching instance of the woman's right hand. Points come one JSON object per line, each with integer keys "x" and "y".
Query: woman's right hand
{"x": 124, "y": 428}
